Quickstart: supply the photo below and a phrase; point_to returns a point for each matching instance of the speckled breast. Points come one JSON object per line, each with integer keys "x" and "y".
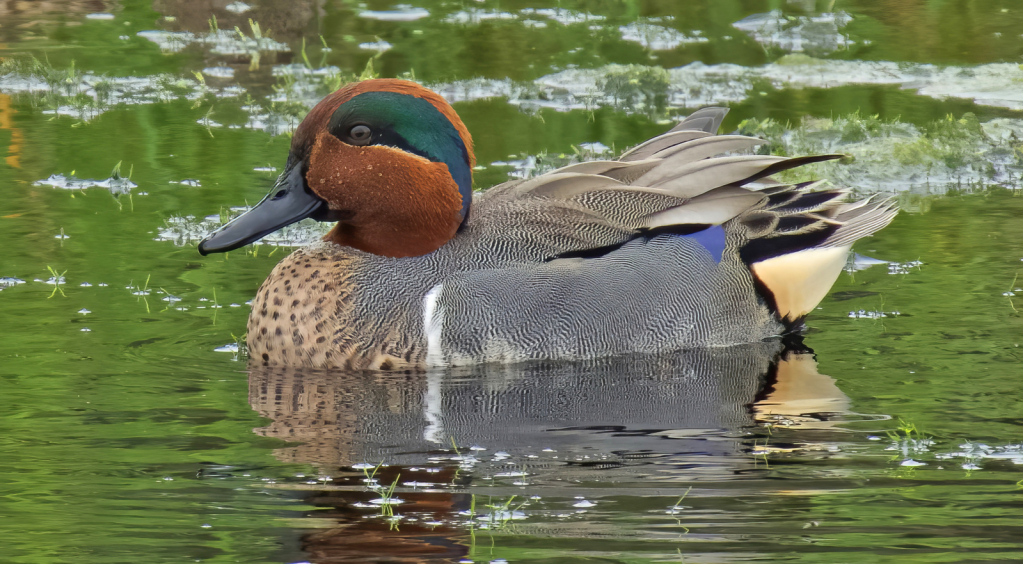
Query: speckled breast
{"x": 306, "y": 314}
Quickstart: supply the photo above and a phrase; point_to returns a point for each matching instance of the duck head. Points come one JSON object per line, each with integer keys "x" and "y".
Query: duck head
{"x": 388, "y": 160}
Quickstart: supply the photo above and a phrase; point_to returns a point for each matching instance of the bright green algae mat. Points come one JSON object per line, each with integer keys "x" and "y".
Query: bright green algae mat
{"x": 126, "y": 437}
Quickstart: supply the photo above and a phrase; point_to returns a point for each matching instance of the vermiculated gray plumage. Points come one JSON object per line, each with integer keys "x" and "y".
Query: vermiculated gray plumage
{"x": 588, "y": 261}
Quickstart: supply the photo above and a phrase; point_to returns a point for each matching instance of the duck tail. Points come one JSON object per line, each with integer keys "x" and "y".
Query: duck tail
{"x": 800, "y": 241}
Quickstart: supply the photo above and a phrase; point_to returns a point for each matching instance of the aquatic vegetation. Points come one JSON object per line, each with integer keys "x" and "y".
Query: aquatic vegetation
{"x": 891, "y": 156}
{"x": 677, "y": 508}
{"x": 86, "y": 95}
{"x": 299, "y": 88}
{"x": 116, "y": 184}
{"x": 529, "y": 166}
{"x": 387, "y": 499}
{"x": 184, "y": 230}
{"x": 189, "y": 230}
{"x": 635, "y": 87}
{"x": 911, "y": 444}
{"x": 630, "y": 88}
{"x": 143, "y": 428}
{"x": 971, "y": 453}
{"x": 908, "y": 441}
{"x": 884, "y": 156}
{"x": 698, "y": 84}
{"x": 499, "y": 515}
{"x": 57, "y": 280}
{"x": 219, "y": 41}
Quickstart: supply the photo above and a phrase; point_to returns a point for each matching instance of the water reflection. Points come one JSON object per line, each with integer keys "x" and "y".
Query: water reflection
{"x": 528, "y": 430}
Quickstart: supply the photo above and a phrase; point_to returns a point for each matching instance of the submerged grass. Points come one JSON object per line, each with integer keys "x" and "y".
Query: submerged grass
{"x": 387, "y": 501}
{"x": 58, "y": 281}
{"x": 677, "y": 508}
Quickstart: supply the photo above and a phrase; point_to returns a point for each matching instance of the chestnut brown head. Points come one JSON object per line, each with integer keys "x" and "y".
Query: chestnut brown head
{"x": 388, "y": 160}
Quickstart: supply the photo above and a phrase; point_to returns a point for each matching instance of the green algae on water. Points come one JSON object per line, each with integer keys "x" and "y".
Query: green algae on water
{"x": 892, "y": 156}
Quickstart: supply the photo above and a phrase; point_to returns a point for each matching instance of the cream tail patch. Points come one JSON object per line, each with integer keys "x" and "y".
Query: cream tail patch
{"x": 800, "y": 280}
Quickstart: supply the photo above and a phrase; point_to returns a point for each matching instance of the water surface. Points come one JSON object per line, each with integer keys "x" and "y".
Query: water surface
{"x": 133, "y": 428}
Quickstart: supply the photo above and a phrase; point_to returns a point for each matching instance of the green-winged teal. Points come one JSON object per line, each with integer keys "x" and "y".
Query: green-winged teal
{"x": 671, "y": 246}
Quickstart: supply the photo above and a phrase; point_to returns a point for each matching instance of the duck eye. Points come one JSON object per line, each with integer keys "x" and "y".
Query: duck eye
{"x": 360, "y": 134}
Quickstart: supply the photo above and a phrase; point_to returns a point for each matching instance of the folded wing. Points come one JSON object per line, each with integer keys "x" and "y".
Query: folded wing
{"x": 794, "y": 238}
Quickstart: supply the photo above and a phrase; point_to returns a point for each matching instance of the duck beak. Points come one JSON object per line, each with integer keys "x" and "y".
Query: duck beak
{"x": 287, "y": 202}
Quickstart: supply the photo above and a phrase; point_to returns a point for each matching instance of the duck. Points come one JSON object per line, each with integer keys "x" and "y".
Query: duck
{"x": 684, "y": 241}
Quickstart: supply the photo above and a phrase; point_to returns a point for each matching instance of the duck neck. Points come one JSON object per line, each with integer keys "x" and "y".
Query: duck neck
{"x": 462, "y": 175}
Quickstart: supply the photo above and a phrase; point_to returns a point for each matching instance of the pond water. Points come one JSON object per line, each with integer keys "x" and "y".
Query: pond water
{"x": 134, "y": 430}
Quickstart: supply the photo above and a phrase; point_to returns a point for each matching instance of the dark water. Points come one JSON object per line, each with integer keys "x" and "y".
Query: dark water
{"x": 891, "y": 432}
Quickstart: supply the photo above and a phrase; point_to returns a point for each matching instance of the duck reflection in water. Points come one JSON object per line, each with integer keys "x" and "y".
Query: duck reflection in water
{"x": 663, "y": 420}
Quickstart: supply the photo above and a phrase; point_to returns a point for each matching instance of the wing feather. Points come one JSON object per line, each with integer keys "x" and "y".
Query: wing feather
{"x": 677, "y": 183}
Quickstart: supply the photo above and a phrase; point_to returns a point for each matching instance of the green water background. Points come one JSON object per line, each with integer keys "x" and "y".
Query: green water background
{"x": 103, "y": 432}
